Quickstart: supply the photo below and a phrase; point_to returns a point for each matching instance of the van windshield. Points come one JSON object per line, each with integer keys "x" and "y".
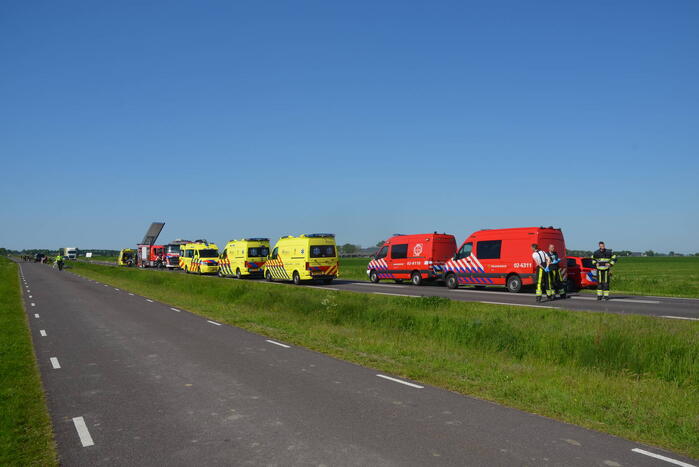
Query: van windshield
{"x": 322, "y": 251}
{"x": 208, "y": 253}
{"x": 257, "y": 252}
{"x": 173, "y": 249}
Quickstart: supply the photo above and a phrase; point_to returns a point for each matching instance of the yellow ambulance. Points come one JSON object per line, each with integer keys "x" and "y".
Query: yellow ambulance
{"x": 200, "y": 257}
{"x": 306, "y": 257}
{"x": 244, "y": 257}
{"x": 127, "y": 257}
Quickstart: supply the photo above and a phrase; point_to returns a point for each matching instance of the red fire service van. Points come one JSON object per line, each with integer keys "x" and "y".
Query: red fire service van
{"x": 501, "y": 257}
{"x": 413, "y": 257}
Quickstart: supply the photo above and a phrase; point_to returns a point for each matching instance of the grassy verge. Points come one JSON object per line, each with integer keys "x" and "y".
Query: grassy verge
{"x": 633, "y": 376}
{"x": 661, "y": 276}
{"x": 25, "y": 428}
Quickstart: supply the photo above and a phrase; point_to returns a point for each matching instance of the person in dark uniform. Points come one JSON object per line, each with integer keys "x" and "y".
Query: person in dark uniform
{"x": 603, "y": 260}
{"x": 557, "y": 283}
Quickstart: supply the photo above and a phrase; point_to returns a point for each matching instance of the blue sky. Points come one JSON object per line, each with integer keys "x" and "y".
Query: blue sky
{"x": 228, "y": 119}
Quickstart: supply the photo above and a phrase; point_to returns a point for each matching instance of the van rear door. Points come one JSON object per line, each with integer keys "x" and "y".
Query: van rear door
{"x": 322, "y": 259}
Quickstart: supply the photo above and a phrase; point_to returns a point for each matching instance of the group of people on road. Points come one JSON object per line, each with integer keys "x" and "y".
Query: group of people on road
{"x": 549, "y": 280}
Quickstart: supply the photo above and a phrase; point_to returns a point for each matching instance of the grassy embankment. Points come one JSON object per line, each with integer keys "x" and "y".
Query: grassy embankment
{"x": 25, "y": 428}
{"x": 663, "y": 276}
{"x": 633, "y": 376}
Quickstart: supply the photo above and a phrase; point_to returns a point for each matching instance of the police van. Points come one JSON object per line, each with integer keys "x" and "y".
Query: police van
{"x": 306, "y": 257}
{"x": 244, "y": 257}
{"x": 200, "y": 257}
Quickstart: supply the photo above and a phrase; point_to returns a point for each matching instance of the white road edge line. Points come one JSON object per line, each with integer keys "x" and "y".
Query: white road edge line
{"x": 116, "y": 289}
{"x": 36, "y": 315}
{"x": 517, "y": 304}
{"x": 320, "y": 287}
{"x": 278, "y": 343}
{"x": 633, "y": 300}
{"x": 213, "y": 322}
{"x": 33, "y": 304}
{"x": 149, "y": 300}
{"x": 666, "y": 459}
{"x": 83, "y": 433}
{"x": 397, "y": 294}
{"x": 175, "y": 309}
{"x": 131, "y": 294}
{"x": 31, "y": 296}
{"x": 680, "y": 317}
{"x": 54, "y": 363}
{"x": 42, "y": 332}
{"x": 395, "y": 380}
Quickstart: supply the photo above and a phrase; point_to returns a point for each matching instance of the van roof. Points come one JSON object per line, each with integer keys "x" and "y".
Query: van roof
{"x": 519, "y": 228}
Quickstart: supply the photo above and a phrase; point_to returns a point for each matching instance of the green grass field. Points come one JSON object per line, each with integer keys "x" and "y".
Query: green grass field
{"x": 663, "y": 276}
{"x": 633, "y": 376}
{"x": 25, "y": 428}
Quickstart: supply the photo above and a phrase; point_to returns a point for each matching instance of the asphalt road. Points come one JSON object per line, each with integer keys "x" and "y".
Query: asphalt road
{"x": 130, "y": 381}
{"x": 671, "y": 308}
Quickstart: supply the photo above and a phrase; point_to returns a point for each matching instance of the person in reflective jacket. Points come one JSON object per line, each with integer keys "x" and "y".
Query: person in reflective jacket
{"x": 603, "y": 260}
{"x": 557, "y": 283}
{"x": 543, "y": 272}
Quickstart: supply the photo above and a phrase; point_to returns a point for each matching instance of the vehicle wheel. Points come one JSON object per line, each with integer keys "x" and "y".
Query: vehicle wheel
{"x": 514, "y": 283}
{"x": 220, "y": 273}
{"x": 374, "y": 277}
{"x": 268, "y": 276}
{"x": 238, "y": 275}
{"x": 416, "y": 278}
{"x": 452, "y": 281}
{"x": 296, "y": 278}
{"x": 328, "y": 281}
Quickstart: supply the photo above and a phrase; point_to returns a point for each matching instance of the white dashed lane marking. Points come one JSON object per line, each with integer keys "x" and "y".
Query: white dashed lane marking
{"x": 175, "y": 309}
{"x": 396, "y": 380}
{"x": 43, "y": 333}
{"x": 149, "y": 300}
{"x": 33, "y": 304}
{"x": 83, "y": 433}
{"x": 36, "y": 315}
{"x": 213, "y": 322}
{"x": 662, "y": 458}
{"x": 279, "y": 344}
{"x": 55, "y": 364}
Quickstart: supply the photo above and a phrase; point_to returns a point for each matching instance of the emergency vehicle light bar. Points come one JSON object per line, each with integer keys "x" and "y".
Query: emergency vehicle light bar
{"x": 256, "y": 239}
{"x": 320, "y": 235}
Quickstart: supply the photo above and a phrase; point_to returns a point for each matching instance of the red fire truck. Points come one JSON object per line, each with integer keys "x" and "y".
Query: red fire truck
{"x": 150, "y": 256}
{"x": 501, "y": 257}
{"x": 413, "y": 257}
{"x": 172, "y": 253}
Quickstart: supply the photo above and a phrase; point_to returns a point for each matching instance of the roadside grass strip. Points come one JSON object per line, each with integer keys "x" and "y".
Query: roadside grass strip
{"x": 26, "y": 437}
{"x": 629, "y": 375}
